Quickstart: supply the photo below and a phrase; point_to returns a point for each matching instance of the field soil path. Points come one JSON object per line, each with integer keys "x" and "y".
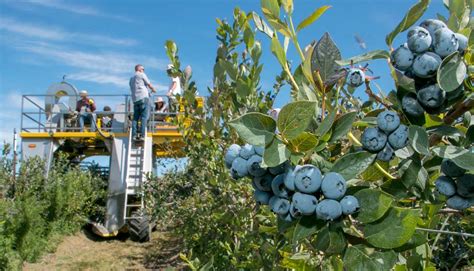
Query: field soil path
{"x": 86, "y": 251}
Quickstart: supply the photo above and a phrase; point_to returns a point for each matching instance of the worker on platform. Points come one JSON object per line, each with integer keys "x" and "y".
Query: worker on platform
{"x": 139, "y": 85}
{"x": 86, "y": 107}
{"x": 174, "y": 89}
{"x": 161, "y": 109}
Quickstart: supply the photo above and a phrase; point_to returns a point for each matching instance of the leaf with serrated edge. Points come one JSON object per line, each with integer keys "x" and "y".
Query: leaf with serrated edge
{"x": 255, "y": 128}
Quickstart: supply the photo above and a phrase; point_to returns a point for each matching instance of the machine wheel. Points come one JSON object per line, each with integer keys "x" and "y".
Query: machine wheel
{"x": 139, "y": 228}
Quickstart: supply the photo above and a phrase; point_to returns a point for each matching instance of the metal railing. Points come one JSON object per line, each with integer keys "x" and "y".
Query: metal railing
{"x": 60, "y": 117}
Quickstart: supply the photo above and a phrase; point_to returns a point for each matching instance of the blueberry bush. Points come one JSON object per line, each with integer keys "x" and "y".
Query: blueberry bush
{"x": 379, "y": 184}
{"x": 35, "y": 212}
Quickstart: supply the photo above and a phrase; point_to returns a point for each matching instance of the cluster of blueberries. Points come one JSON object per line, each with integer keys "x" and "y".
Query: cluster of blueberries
{"x": 387, "y": 137}
{"x": 420, "y": 59}
{"x": 292, "y": 192}
{"x": 456, "y": 185}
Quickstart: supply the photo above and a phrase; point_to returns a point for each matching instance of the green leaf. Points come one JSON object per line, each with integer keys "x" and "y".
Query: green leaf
{"x": 287, "y": 6}
{"x": 343, "y": 125}
{"x": 295, "y": 117}
{"x": 460, "y": 156}
{"x": 377, "y": 54}
{"x": 394, "y": 229}
{"x": 261, "y": 25}
{"x": 419, "y": 139}
{"x": 275, "y": 154}
{"x": 445, "y": 130}
{"x": 255, "y": 128}
{"x": 451, "y": 72}
{"x": 323, "y": 58}
{"x": 306, "y": 94}
{"x": 410, "y": 18}
{"x": 326, "y": 124}
{"x": 352, "y": 164}
{"x": 304, "y": 142}
{"x": 330, "y": 241}
{"x": 278, "y": 51}
{"x": 373, "y": 204}
{"x": 243, "y": 88}
{"x": 270, "y": 7}
{"x": 414, "y": 174}
{"x": 416, "y": 240}
{"x": 306, "y": 227}
{"x": 312, "y": 18}
{"x": 362, "y": 258}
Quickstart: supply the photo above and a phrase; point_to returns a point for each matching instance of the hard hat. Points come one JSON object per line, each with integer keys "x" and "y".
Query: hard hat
{"x": 159, "y": 100}
{"x": 83, "y": 93}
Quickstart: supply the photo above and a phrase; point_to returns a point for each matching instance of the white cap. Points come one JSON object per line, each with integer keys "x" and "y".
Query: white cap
{"x": 83, "y": 93}
{"x": 159, "y": 100}
{"x": 170, "y": 66}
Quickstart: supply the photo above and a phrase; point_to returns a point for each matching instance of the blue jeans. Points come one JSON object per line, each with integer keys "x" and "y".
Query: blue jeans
{"x": 87, "y": 116}
{"x": 141, "y": 111}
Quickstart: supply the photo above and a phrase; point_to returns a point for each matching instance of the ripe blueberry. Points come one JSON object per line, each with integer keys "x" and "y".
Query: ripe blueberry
{"x": 411, "y": 106}
{"x": 328, "y": 209}
{"x": 246, "y": 151}
{"x": 445, "y": 42}
{"x": 232, "y": 153}
{"x": 402, "y": 58}
{"x": 239, "y": 167}
{"x": 278, "y": 186}
{"x": 349, "y": 205}
{"x": 399, "y": 138}
{"x": 306, "y": 204}
{"x": 262, "y": 197}
{"x": 355, "y": 77}
{"x": 466, "y": 185}
{"x": 432, "y": 25}
{"x": 373, "y": 139}
{"x": 259, "y": 150}
{"x": 294, "y": 211}
{"x": 307, "y": 179}
{"x": 386, "y": 154}
{"x": 264, "y": 182}
{"x": 445, "y": 186}
{"x": 290, "y": 179}
{"x": 333, "y": 186}
{"x": 287, "y": 217}
{"x": 462, "y": 41}
{"x": 449, "y": 168}
{"x": 459, "y": 203}
{"x": 432, "y": 98}
{"x": 419, "y": 39}
{"x": 426, "y": 65}
{"x": 388, "y": 121}
{"x": 253, "y": 166}
{"x": 280, "y": 206}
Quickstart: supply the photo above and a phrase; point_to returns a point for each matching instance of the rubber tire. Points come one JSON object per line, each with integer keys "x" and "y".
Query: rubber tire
{"x": 139, "y": 229}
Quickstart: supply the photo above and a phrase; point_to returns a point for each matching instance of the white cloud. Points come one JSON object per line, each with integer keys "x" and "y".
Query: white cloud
{"x": 57, "y": 34}
{"x": 100, "y": 78}
{"x": 77, "y": 9}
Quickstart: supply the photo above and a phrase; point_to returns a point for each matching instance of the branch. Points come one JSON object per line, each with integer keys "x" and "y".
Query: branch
{"x": 468, "y": 235}
{"x": 369, "y": 92}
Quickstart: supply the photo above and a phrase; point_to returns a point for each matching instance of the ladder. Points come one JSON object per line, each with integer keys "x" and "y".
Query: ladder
{"x": 135, "y": 177}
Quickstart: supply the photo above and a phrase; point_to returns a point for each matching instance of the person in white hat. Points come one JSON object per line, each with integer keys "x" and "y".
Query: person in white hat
{"x": 160, "y": 107}
{"x": 139, "y": 85}
{"x": 86, "y": 107}
{"x": 175, "y": 87}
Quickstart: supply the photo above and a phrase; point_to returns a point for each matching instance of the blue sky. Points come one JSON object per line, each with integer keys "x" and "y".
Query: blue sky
{"x": 97, "y": 43}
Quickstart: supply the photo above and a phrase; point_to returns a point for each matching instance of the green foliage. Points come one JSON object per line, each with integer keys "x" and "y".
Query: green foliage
{"x": 36, "y": 210}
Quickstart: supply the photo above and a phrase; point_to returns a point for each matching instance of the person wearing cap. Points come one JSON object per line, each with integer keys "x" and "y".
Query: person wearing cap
{"x": 86, "y": 107}
{"x": 160, "y": 107}
{"x": 175, "y": 87}
{"x": 139, "y": 85}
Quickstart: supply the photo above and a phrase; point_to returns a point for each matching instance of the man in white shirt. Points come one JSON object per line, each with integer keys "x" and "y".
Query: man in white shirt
{"x": 139, "y": 85}
{"x": 174, "y": 89}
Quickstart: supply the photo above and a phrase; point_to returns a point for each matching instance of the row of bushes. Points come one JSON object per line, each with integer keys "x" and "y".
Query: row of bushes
{"x": 36, "y": 211}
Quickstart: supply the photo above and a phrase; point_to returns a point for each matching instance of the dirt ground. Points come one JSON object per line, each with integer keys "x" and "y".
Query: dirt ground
{"x": 86, "y": 251}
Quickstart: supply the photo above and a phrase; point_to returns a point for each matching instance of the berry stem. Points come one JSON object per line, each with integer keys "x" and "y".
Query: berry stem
{"x": 369, "y": 92}
{"x": 384, "y": 172}
{"x": 353, "y": 138}
{"x": 463, "y": 234}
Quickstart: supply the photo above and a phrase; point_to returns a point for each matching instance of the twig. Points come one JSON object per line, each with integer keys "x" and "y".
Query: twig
{"x": 442, "y": 228}
{"x": 384, "y": 172}
{"x": 369, "y": 92}
{"x": 468, "y": 235}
